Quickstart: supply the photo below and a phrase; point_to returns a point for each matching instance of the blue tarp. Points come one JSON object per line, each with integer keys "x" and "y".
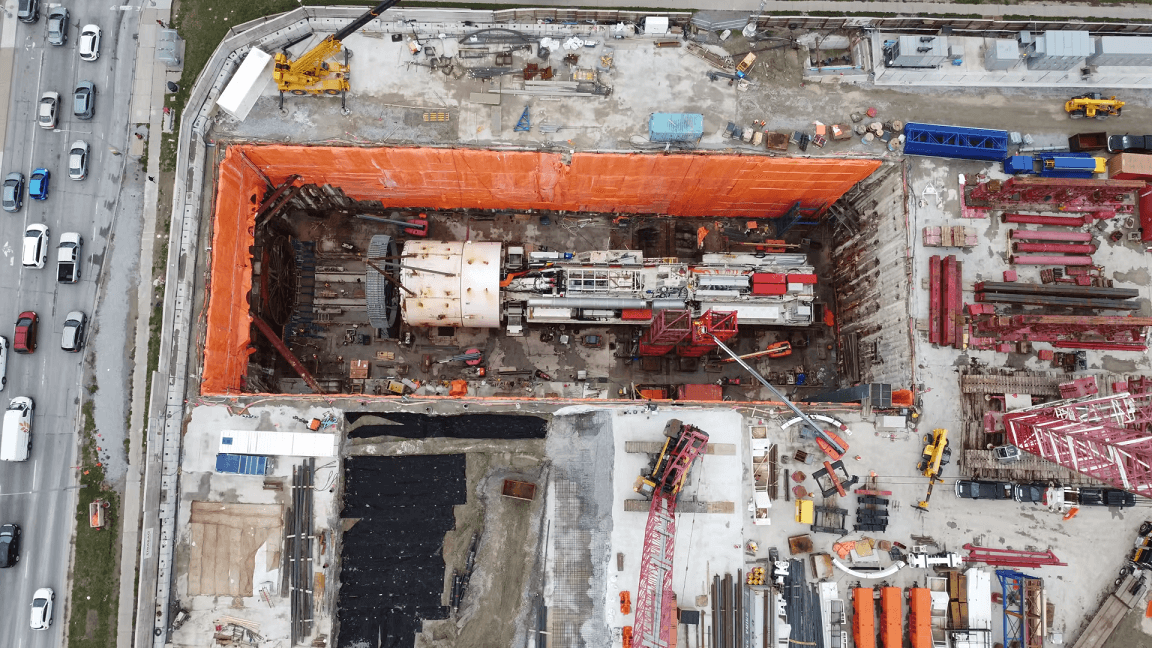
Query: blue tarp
{"x": 241, "y": 464}
{"x": 955, "y": 142}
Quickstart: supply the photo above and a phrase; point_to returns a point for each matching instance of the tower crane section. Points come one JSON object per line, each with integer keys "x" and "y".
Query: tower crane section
{"x": 656, "y": 606}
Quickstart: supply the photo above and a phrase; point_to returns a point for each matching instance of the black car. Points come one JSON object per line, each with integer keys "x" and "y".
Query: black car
{"x": 1130, "y": 143}
{"x": 9, "y": 545}
{"x": 1035, "y": 493}
{"x": 972, "y": 489}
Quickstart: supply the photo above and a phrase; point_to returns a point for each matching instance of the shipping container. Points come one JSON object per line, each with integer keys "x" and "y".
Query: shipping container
{"x": 801, "y": 278}
{"x": 891, "y": 617}
{"x": 675, "y": 127}
{"x": 769, "y": 289}
{"x": 247, "y": 84}
{"x": 1130, "y": 166}
{"x": 863, "y": 618}
{"x": 920, "y": 617}
{"x": 700, "y": 393}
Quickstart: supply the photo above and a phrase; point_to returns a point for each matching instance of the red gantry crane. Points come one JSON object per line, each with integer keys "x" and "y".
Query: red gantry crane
{"x": 655, "y": 601}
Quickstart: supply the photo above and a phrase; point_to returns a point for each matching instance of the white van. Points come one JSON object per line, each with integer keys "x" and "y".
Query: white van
{"x": 16, "y": 436}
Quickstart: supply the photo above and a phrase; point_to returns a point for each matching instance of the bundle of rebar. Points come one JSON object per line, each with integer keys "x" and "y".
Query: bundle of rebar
{"x": 300, "y": 551}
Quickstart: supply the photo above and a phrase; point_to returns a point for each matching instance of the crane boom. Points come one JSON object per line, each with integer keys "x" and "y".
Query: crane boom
{"x": 655, "y": 601}
{"x": 313, "y": 73}
{"x": 833, "y": 445}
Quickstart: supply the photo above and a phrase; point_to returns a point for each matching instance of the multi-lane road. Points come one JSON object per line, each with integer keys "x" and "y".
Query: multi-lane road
{"x": 39, "y": 494}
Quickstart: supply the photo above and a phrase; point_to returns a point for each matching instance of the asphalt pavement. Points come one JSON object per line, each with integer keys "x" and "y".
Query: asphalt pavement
{"x": 40, "y": 494}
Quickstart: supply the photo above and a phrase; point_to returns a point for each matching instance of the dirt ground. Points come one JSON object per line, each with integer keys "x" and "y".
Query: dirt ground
{"x": 495, "y": 603}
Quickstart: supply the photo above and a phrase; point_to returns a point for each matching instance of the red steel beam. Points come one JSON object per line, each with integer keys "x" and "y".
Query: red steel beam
{"x": 1058, "y": 221}
{"x": 951, "y": 288}
{"x": 958, "y": 307}
{"x": 1041, "y": 259}
{"x": 1049, "y": 235}
{"x": 934, "y": 314}
{"x": 286, "y": 353}
{"x": 1065, "y": 248}
{"x": 1011, "y": 557}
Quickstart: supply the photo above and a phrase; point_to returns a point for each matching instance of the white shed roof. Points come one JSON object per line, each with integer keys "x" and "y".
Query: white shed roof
{"x": 294, "y": 444}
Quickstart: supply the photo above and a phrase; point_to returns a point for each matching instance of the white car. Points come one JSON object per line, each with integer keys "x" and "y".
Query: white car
{"x": 42, "y": 608}
{"x": 3, "y": 362}
{"x": 78, "y": 160}
{"x": 35, "y": 250}
{"x": 89, "y": 43}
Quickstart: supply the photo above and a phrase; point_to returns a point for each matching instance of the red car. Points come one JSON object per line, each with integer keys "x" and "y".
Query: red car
{"x": 25, "y": 336}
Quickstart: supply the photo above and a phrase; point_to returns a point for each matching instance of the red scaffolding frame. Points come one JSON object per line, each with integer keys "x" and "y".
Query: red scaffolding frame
{"x": 1108, "y": 438}
{"x": 722, "y": 324}
{"x": 669, "y": 328}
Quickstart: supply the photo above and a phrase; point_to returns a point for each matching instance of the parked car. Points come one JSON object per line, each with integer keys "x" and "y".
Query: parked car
{"x": 9, "y": 545}
{"x": 28, "y": 11}
{"x": 38, "y": 184}
{"x": 57, "y": 25}
{"x": 1034, "y": 493}
{"x": 24, "y": 338}
{"x": 13, "y": 192}
{"x": 73, "y": 337}
{"x": 1103, "y": 497}
{"x": 78, "y": 160}
{"x": 89, "y": 43}
{"x": 3, "y": 362}
{"x": 49, "y": 102}
{"x": 973, "y": 489}
{"x": 35, "y": 249}
{"x": 1130, "y": 143}
{"x": 42, "y": 608}
{"x": 84, "y": 100}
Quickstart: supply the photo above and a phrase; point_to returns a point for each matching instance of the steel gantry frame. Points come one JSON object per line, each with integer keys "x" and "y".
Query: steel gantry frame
{"x": 1015, "y": 613}
{"x": 1108, "y": 438}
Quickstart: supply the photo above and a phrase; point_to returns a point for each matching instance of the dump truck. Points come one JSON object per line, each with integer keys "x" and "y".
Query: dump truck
{"x": 68, "y": 258}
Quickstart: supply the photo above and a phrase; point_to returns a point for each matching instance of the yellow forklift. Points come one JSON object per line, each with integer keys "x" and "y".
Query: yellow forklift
{"x": 936, "y": 455}
{"x": 1093, "y": 105}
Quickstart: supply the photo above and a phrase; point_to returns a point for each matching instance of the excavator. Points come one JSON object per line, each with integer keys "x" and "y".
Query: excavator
{"x": 1092, "y": 105}
{"x": 936, "y": 455}
{"x": 313, "y": 73}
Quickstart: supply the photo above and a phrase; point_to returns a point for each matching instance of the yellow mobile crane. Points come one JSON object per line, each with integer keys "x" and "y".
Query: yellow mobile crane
{"x": 313, "y": 73}
{"x": 1092, "y": 105}
{"x": 936, "y": 456}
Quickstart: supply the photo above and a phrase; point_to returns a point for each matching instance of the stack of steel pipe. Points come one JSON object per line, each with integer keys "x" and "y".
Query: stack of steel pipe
{"x": 300, "y": 552}
{"x": 1057, "y": 221}
{"x": 1070, "y": 295}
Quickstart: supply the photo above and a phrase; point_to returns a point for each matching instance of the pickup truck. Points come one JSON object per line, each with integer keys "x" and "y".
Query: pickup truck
{"x": 1130, "y": 143}
{"x": 68, "y": 258}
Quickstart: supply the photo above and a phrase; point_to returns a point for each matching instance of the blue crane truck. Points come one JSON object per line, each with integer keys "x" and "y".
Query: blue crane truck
{"x": 1056, "y": 165}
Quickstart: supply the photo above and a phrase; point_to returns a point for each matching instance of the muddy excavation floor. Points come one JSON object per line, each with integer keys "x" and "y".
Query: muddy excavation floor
{"x": 347, "y": 355}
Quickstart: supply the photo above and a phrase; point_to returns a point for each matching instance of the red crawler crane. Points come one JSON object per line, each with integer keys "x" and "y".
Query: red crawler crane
{"x": 655, "y": 601}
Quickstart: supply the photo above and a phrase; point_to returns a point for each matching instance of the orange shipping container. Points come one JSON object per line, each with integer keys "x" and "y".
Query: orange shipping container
{"x": 920, "y": 617}
{"x": 701, "y": 392}
{"x": 891, "y": 617}
{"x": 863, "y": 618}
{"x": 1130, "y": 166}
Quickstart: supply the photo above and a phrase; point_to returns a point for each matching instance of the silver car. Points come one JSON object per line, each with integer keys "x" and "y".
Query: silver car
{"x": 73, "y": 337}
{"x": 78, "y": 160}
{"x": 84, "y": 100}
{"x": 58, "y": 26}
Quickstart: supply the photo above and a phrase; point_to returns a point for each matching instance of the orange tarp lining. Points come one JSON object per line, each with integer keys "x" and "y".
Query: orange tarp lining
{"x": 863, "y": 618}
{"x": 239, "y": 192}
{"x": 891, "y": 615}
{"x": 920, "y": 617}
{"x": 677, "y": 185}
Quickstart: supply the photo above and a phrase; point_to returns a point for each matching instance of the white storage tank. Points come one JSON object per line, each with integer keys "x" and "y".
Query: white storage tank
{"x": 464, "y": 289}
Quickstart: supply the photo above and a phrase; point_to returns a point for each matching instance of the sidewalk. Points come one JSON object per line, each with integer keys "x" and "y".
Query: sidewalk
{"x": 1075, "y": 10}
{"x": 146, "y": 106}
